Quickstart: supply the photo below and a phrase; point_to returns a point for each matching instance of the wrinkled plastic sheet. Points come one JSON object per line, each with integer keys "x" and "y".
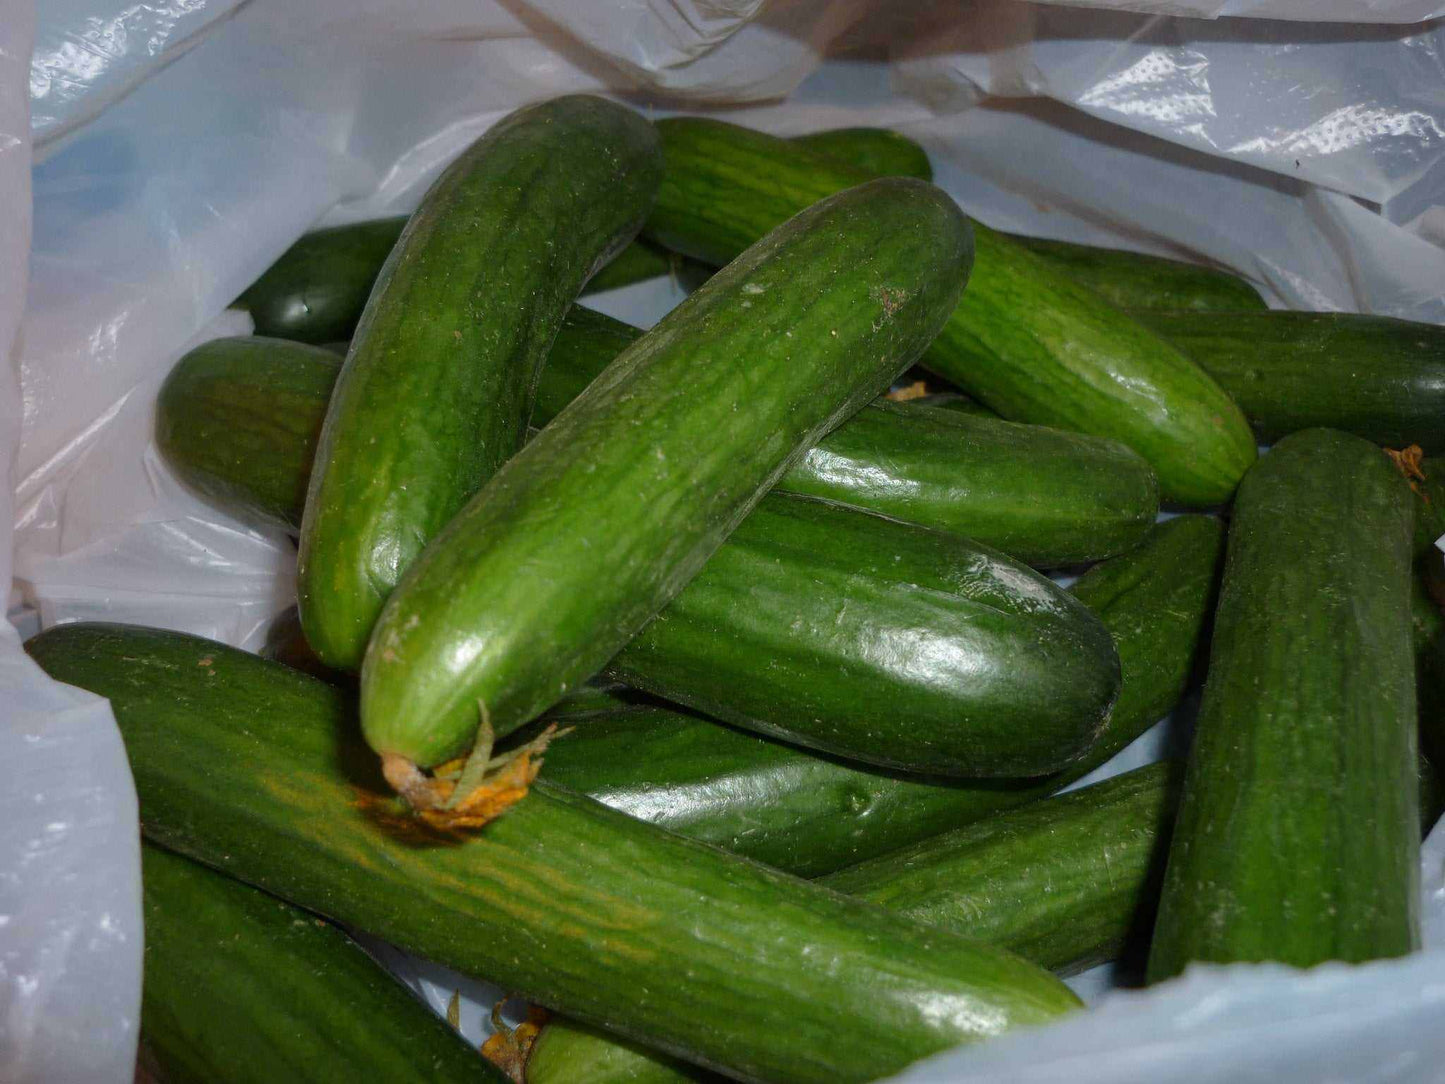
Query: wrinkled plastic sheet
{"x": 180, "y": 148}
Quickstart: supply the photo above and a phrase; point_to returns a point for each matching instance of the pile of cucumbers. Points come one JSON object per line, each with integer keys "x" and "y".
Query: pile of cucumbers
{"x": 688, "y": 686}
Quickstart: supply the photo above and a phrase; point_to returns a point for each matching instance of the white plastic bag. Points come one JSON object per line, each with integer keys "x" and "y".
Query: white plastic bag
{"x": 180, "y": 148}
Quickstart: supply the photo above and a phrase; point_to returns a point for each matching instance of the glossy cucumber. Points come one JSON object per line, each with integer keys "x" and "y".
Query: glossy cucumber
{"x": 1043, "y": 495}
{"x": 437, "y": 387}
{"x": 1298, "y": 833}
{"x": 1374, "y": 376}
{"x": 1135, "y": 281}
{"x": 1028, "y": 341}
{"x": 591, "y": 529}
{"x": 242, "y": 987}
{"x": 250, "y": 766}
{"x": 812, "y": 814}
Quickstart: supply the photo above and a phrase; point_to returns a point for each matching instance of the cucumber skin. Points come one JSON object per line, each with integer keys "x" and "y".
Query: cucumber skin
{"x": 1298, "y": 833}
{"x": 1062, "y": 882}
{"x": 435, "y": 392}
{"x": 1142, "y": 283}
{"x": 242, "y": 987}
{"x": 246, "y": 765}
{"x": 1076, "y": 362}
{"x": 812, "y": 815}
{"x": 237, "y": 420}
{"x": 1045, "y": 496}
{"x": 655, "y": 464}
{"x": 1374, "y": 376}
{"x": 879, "y": 151}
{"x": 1019, "y": 678}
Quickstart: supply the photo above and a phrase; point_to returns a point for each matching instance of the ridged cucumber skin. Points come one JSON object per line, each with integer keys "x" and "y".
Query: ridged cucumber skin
{"x": 249, "y": 766}
{"x": 237, "y": 420}
{"x": 437, "y": 387}
{"x": 811, "y": 814}
{"x": 243, "y": 987}
{"x": 654, "y": 465}
{"x": 1061, "y": 882}
{"x": 906, "y": 648}
{"x": 1046, "y": 496}
{"x": 1026, "y": 340}
{"x": 1144, "y": 283}
{"x": 1298, "y": 832}
{"x": 1374, "y": 376}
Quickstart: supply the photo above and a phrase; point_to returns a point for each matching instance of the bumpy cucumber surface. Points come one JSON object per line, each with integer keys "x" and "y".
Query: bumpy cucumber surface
{"x": 1298, "y": 834}
{"x": 252, "y": 767}
{"x": 436, "y": 389}
{"x": 243, "y": 987}
{"x": 1377, "y": 377}
{"x": 1027, "y": 340}
{"x": 587, "y": 532}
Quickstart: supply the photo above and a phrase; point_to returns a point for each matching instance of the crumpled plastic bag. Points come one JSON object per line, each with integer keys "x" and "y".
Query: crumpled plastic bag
{"x": 179, "y": 148}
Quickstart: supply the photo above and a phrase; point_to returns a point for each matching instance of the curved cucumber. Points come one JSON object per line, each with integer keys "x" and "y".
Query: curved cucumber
{"x": 587, "y": 532}
{"x": 242, "y": 987}
{"x": 1138, "y": 282}
{"x": 1298, "y": 835}
{"x": 248, "y": 766}
{"x": 1377, "y": 377}
{"x": 883, "y": 643}
{"x": 436, "y": 389}
{"x": 1028, "y": 341}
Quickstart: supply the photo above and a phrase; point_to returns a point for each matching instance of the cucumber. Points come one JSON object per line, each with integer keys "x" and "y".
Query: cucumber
{"x": 242, "y": 987}
{"x": 811, "y": 815}
{"x": 1429, "y": 489}
{"x": 1045, "y": 496}
{"x": 1134, "y": 281}
{"x": 884, "y": 643}
{"x": 1028, "y": 341}
{"x": 436, "y": 389}
{"x": 587, "y": 532}
{"x": 566, "y": 1052}
{"x": 1298, "y": 833}
{"x": 880, "y": 151}
{"x": 1377, "y": 377}
{"x": 249, "y": 766}
{"x": 238, "y": 419}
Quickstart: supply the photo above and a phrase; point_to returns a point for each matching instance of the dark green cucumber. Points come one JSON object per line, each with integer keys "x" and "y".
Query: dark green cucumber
{"x": 238, "y": 420}
{"x": 882, "y": 642}
{"x": 1061, "y": 882}
{"x": 1429, "y": 507}
{"x": 952, "y": 400}
{"x": 1027, "y": 340}
{"x": 880, "y": 151}
{"x": 1377, "y": 377}
{"x": 1134, "y": 281}
{"x": 812, "y": 814}
{"x": 437, "y": 387}
{"x": 242, "y": 987}
{"x": 1045, "y": 496}
{"x": 251, "y": 767}
{"x": 586, "y": 533}
{"x": 1298, "y": 834}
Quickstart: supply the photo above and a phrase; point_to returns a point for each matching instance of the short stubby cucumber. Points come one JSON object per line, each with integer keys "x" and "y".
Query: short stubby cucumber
{"x": 437, "y": 387}
{"x": 1374, "y": 376}
{"x": 1027, "y": 340}
{"x": 1298, "y": 834}
{"x": 253, "y": 768}
{"x": 242, "y": 987}
{"x": 587, "y": 532}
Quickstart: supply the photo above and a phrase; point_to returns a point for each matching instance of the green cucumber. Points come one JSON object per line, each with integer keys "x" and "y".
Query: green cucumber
{"x": 242, "y": 987}
{"x": 1135, "y": 281}
{"x": 1298, "y": 833}
{"x": 436, "y": 389}
{"x": 1377, "y": 377}
{"x": 811, "y": 815}
{"x": 238, "y": 421}
{"x": 249, "y": 766}
{"x": 1028, "y": 341}
{"x": 1045, "y": 496}
{"x": 881, "y": 642}
{"x": 586, "y": 533}
{"x": 1429, "y": 489}
{"x": 952, "y": 400}
{"x": 879, "y": 151}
